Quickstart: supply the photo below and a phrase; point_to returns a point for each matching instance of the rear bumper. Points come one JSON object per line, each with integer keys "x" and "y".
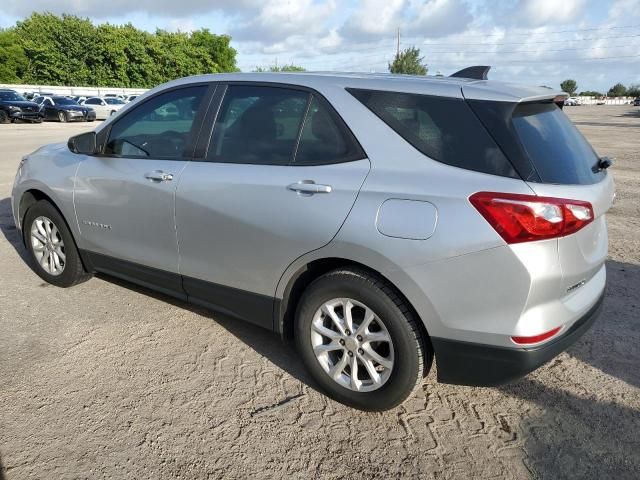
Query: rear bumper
{"x": 474, "y": 364}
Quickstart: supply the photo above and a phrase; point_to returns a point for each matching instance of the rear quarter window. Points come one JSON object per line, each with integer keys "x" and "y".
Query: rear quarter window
{"x": 558, "y": 151}
{"x": 442, "y": 128}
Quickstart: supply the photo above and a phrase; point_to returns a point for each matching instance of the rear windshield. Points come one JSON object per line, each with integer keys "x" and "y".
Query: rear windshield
{"x": 558, "y": 151}
{"x": 444, "y": 129}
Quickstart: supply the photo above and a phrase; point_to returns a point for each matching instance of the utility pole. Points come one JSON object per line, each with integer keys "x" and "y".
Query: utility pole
{"x": 398, "y": 44}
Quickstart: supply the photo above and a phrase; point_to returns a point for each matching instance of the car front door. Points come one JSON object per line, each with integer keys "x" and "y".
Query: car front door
{"x": 49, "y": 110}
{"x": 124, "y": 197}
{"x": 280, "y": 175}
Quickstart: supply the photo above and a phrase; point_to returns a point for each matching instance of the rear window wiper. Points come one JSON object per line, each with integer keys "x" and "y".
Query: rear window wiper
{"x": 603, "y": 164}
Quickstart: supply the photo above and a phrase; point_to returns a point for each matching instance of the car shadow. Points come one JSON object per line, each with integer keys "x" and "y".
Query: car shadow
{"x": 611, "y": 345}
{"x": 571, "y": 436}
{"x": 9, "y": 230}
{"x": 264, "y": 342}
{"x": 2, "y": 469}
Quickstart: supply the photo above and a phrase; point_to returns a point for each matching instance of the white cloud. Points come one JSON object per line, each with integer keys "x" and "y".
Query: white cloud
{"x": 279, "y": 19}
{"x": 434, "y": 18}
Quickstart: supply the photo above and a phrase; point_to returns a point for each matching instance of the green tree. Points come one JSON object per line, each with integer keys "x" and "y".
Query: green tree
{"x": 633, "y": 90}
{"x": 409, "y": 62}
{"x": 618, "y": 90}
{"x": 280, "y": 68}
{"x": 69, "y": 50}
{"x": 13, "y": 60}
{"x": 218, "y": 47}
{"x": 569, "y": 86}
{"x": 590, "y": 93}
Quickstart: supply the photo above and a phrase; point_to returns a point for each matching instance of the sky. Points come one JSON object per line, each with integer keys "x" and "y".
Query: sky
{"x": 538, "y": 42}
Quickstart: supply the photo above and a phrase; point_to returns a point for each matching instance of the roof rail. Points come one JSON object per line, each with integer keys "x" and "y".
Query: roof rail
{"x": 477, "y": 72}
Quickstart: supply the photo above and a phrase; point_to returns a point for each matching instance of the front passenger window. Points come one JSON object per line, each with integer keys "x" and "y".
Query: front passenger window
{"x": 159, "y": 127}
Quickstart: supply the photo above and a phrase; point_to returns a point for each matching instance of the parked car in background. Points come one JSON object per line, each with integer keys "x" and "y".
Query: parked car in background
{"x": 64, "y": 109}
{"x": 601, "y": 101}
{"x": 130, "y": 98}
{"x": 376, "y": 220}
{"x": 104, "y": 107}
{"x": 572, "y": 101}
{"x": 15, "y": 107}
{"x": 636, "y": 102}
{"x": 79, "y": 98}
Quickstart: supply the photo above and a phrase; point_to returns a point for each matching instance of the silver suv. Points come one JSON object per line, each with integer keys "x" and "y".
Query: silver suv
{"x": 377, "y": 220}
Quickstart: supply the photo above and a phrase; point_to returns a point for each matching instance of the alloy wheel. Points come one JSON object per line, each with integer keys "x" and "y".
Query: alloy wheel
{"x": 48, "y": 246}
{"x": 352, "y": 344}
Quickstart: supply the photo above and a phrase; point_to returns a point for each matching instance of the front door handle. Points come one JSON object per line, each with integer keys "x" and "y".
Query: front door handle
{"x": 158, "y": 176}
{"x": 309, "y": 187}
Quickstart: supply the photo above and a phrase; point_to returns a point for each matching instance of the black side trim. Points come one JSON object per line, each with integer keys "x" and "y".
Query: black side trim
{"x": 474, "y": 364}
{"x": 248, "y": 306}
{"x": 165, "y": 282}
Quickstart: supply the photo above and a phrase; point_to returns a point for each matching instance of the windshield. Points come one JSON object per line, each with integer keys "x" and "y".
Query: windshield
{"x": 11, "y": 97}
{"x": 558, "y": 151}
{"x": 64, "y": 101}
{"x": 114, "y": 101}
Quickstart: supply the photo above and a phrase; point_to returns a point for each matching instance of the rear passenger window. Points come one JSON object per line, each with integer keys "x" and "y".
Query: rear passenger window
{"x": 258, "y": 125}
{"x": 444, "y": 129}
{"x": 159, "y": 127}
{"x": 325, "y": 138}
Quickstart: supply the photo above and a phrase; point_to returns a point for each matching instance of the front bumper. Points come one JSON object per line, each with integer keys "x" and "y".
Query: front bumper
{"x": 78, "y": 116}
{"x": 474, "y": 364}
{"x": 26, "y": 115}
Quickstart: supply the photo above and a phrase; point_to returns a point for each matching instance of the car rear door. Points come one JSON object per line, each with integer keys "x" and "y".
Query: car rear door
{"x": 124, "y": 197}
{"x": 276, "y": 179}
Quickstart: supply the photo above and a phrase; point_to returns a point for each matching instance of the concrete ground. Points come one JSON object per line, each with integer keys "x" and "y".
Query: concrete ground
{"x": 107, "y": 380}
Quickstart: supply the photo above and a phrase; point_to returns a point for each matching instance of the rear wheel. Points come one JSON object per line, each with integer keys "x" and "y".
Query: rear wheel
{"x": 360, "y": 341}
{"x": 62, "y": 117}
{"x": 51, "y": 246}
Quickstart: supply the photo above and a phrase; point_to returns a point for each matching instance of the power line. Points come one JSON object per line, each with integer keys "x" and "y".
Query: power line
{"x": 501, "y": 52}
{"x": 534, "y": 32}
{"x": 530, "y": 43}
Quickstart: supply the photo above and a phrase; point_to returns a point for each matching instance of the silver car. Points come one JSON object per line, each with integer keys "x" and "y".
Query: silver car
{"x": 379, "y": 221}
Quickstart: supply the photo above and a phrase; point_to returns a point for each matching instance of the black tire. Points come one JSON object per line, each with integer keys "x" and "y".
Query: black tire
{"x": 4, "y": 118}
{"x": 412, "y": 356}
{"x": 73, "y": 271}
{"x": 62, "y": 117}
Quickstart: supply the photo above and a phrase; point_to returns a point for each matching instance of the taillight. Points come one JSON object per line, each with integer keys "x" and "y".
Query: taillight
{"x": 524, "y": 218}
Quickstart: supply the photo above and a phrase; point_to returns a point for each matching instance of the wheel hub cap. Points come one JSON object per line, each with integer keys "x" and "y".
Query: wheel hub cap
{"x": 47, "y": 246}
{"x": 352, "y": 344}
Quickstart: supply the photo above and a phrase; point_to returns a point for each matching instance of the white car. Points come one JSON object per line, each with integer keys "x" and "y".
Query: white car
{"x": 104, "y": 107}
{"x": 572, "y": 101}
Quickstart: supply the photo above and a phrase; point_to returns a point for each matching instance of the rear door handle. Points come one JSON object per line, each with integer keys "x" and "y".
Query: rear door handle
{"x": 309, "y": 187}
{"x": 158, "y": 176}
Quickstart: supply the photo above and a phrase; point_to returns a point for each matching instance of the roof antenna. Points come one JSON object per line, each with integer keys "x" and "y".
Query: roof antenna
{"x": 477, "y": 72}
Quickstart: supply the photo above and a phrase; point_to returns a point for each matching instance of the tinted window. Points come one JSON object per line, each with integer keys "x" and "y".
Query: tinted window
{"x": 159, "y": 127}
{"x": 8, "y": 95}
{"x": 48, "y": 102}
{"x": 444, "y": 129}
{"x": 558, "y": 151}
{"x": 325, "y": 138}
{"x": 64, "y": 101}
{"x": 258, "y": 125}
{"x": 113, "y": 101}
{"x": 93, "y": 101}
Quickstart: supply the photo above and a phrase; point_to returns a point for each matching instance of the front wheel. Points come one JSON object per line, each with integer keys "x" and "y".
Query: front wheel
{"x": 360, "y": 341}
{"x": 4, "y": 118}
{"x": 62, "y": 117}
{"x": 51, "y": 246}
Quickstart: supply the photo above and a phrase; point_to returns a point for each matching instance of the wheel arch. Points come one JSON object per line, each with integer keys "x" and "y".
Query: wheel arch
{"x": 31, "y": 197}
{"x": 284, "y": 311}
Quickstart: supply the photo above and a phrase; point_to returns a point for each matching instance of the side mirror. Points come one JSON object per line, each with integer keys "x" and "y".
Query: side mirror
{"x": 85, "y": 143}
